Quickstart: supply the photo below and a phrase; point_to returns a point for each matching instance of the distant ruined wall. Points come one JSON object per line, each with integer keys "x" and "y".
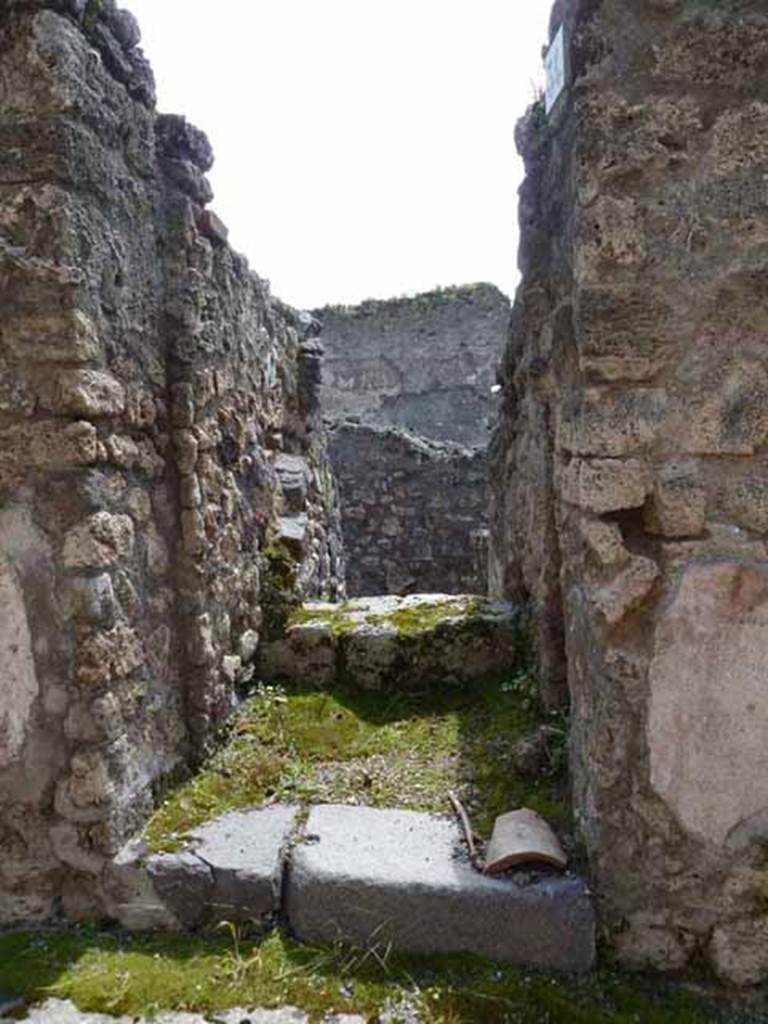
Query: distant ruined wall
{"x": 426, "y": 364}
{"x": 629, "y": 467}
{"x": 415, "y": 375}
{"x": 412, "y": 512}
{"x": 149, "y": 388}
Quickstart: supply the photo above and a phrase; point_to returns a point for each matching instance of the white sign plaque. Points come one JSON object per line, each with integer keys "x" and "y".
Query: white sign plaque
{"x": 554, "y": 64}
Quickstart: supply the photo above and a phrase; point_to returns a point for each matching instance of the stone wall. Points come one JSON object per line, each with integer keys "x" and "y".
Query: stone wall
{"x": 151, "y": 391}
{"x": 412, "y": 509}
{"x": 413, "y": 377}
{"x": 629, "y": 466}
{"x": 426, "y": 364}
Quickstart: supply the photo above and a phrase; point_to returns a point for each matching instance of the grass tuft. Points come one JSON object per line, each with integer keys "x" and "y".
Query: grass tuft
{"x": 104, "y": 971}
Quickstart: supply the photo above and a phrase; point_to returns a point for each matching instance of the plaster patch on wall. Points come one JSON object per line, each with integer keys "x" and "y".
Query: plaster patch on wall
{"x": 708, "y": 716}
{"x": 19, "y": 687}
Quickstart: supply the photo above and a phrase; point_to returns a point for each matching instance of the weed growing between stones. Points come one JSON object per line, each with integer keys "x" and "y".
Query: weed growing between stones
{"x": 491, "y": 743}
{"x": 112, "y": 972}
{"x": 279, "y": 591}
{"x": 92, "y": 12}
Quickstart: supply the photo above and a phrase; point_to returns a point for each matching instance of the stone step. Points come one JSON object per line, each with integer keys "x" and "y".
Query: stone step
{"x": 362, "y": 875}
{"x": 372, "y": 877}
{"x": 62, "y": 1011}
{"x": 398, "y": 642}
{"x": 231, "y": 869}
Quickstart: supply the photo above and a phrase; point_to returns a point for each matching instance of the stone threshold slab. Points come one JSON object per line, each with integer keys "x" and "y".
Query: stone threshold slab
{"x": 231, "y": 870}
{"x": 361, "y": 875}
{"x": 62, "y": 1011}
{"x": 368, "y": 876}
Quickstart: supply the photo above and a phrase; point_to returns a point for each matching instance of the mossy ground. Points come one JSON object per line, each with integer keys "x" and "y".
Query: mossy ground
{"x": 385, "y": 749}
{"x": 407, "y": 621}
{"x": 402, "y": 749}
{"x": 381, "y": 749}
{"x": 111, "y": 972}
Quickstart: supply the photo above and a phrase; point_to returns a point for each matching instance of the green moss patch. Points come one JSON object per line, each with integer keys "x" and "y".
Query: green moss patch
{"x": 335, "y": 617}
{"x": 278, "y": 588}
{"x": 111, "y": 972}
{"x": 348, "y": 616}
{"x": 381, "y": 749}
{"x": 92, "y": 12}
{"x": 426, "y": 617}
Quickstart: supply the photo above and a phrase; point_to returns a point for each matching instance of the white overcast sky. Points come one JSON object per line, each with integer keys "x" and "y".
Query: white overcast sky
{"x": 364, "y": 148}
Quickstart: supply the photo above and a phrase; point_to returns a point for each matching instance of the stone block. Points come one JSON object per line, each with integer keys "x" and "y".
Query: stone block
{"x": 183, "y": 404}
{"x": 626, "y": 590}
{"x": 66, "y": 337}
{"x": 90, "y": 600}
{"x": 745, "y": 502}
{"x": 63, "y": 1011}
{"x": 245, "y": 850}
{"x": 211, "y": 225}
{"x": 374, "y": 877}
{"x": 307, "y": 652}
{"x": 230, "y": 870}
{"x": 177, "y": 138}
{"x": 91, "y": 393}
{"x": 101, "y": 541}
{"x": 612, "y": 423}
{"x": 610, "y": 234}
{"x": 394, "y": 641}
{"x": 622, "y": 333}
{"x": 190, "y": 493}
{"x": 186, "y": 447}
{"x": 46, "y": 444}
{"x": 294, "y": 475}
{"x": 605, "y": 542}
{"x": 184, "y": 883}
{"x": 193, "y": 531}
{"x": 86, "y": 793}
{"x": 605, "y": 485}
{"x": 724, "y": 407}
{"x": 105, "y": 657}
{"x": 293, "y": 533}
{"x": 130, "y": 896}
{"x": 122, "y": 450}
{"x": 679, "y": 504}
{"x": 738, "y": 951}
{"x": 371, "y": 655}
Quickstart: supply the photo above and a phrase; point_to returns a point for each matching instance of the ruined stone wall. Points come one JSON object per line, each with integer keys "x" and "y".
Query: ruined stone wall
{"x": 416, "y": 374}
{"x": 426, "y": 364}
{"x": 412, "y": 515}
{"x": 149, "y": 386}
{"x": 629, "y": 466}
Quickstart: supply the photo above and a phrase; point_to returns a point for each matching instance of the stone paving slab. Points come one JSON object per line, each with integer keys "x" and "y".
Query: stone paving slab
{"x": 231, "y": 870}
{"x": 373, "y": 877}
{"x": 57, "y": 1011}
{"x": 245, "y": 853}
{"x": 397, "y": 642}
